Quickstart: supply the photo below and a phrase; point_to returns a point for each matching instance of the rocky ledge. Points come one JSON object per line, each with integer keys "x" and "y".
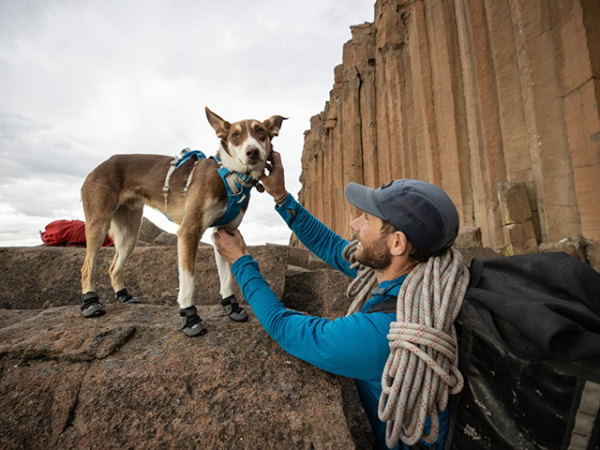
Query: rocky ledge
{"x": 130, "y": 380}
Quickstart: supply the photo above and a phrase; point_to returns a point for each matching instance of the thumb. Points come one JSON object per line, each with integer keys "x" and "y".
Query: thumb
{"x": 221, "y": 232}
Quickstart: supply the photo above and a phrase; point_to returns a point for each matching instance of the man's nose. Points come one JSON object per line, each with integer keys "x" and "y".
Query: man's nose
{"x": 355, "y": 224}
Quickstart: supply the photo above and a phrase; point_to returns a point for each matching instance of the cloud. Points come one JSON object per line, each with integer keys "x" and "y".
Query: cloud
{"x": 30, "y": 149}
{"x": 42, "y": 198}
{"x": 81, "y": 81}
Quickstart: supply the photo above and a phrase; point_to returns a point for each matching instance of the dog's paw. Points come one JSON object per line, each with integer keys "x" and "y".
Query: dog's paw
{"x": 233, "y": 310}
{"x": 123, "y": 297}
{"x": 191, "y": 323}
{"x": 91, "y": 306}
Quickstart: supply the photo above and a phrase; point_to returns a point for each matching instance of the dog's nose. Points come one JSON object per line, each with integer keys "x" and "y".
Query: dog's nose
{"x": 252, "y": 153}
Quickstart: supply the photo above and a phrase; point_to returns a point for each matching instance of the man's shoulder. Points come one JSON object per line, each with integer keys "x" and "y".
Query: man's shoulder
{"x": 378, "y": 320}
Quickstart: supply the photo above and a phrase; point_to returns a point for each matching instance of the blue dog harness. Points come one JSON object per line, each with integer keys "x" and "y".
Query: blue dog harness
{"x": 238, "y": 185}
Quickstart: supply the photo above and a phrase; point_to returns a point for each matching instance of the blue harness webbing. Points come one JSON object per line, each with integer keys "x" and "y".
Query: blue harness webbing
{"x": 238, "y": 185}
{"x": 187, "y": 155}
{"x": 235, "y": 201}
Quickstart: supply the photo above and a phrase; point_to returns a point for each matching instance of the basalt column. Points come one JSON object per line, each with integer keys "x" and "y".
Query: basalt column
{"x": 469, "y": 95}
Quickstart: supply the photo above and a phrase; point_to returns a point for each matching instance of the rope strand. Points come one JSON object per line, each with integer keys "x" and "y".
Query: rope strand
{"x": 422, "y": 369}
{"x": 363, "y": 284}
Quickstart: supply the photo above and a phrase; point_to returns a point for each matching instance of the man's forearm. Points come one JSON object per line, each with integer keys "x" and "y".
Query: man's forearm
{"x": 351, "y": 346}
{"x": 317, "y": 237}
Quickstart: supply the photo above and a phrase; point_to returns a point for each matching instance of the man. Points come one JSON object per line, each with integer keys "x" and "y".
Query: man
{"x": 402, "y": 224}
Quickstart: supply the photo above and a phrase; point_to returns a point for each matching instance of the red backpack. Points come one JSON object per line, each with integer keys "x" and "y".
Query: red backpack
{"x": 70, "y": 233}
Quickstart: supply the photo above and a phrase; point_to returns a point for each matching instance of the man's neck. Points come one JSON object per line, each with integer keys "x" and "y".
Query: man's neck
{"x": 394, "y": 271}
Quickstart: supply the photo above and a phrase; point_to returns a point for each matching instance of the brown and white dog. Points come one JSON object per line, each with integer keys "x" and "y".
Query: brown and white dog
{"x": 115, "y": 193}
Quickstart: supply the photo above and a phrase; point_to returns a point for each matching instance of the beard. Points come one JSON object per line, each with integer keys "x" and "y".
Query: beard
{"x": 375, "y": 255}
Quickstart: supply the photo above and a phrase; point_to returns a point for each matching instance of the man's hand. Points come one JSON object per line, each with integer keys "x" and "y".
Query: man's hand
{"x": 230, "y": 244}
{"x": 274, "y": 183}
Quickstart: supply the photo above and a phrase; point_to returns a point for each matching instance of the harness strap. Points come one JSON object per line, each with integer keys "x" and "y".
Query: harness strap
{"x": 189, "y": 180}
{"x": 185, "y": 154}
{"x": 166, "y": 187}
{"x": 230, "y": 179}
{"x": 238, "y": 186}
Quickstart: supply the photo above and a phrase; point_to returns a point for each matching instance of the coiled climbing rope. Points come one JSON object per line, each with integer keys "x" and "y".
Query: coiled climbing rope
{"x": 422, "y": 369}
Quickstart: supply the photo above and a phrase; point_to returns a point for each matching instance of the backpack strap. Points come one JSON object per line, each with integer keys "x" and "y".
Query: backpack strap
{"x": 386, "y": 306}
{"x": 465, "y": 351}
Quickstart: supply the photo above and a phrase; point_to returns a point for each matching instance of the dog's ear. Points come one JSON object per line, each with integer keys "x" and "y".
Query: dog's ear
{"x": 220, "y": 125}
{"x": 273, "y": 124}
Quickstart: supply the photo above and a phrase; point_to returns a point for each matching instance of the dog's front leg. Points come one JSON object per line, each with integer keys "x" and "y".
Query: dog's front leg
{"x": 233, "y": 310}
{"x": 225, "y": 275}
{"x": 187, "y": 246}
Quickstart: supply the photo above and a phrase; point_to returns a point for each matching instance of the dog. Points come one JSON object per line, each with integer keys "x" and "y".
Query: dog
{"x": 207, "y": 192}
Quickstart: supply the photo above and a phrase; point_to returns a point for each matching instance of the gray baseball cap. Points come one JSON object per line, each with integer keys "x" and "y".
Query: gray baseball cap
{"x": 421, "y": 210}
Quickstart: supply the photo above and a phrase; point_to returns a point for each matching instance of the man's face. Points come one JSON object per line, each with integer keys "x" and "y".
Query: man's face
{"x": 372, "y": 249}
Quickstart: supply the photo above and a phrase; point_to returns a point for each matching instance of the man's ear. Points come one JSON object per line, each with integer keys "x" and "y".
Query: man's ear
{"x": 399, "y": 244}
{"x": 220, "y": 126}
{"x": 273, "y": 124}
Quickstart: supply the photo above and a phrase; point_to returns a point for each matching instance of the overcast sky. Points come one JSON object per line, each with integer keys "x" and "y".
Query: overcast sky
{"x": 83, "y": 80}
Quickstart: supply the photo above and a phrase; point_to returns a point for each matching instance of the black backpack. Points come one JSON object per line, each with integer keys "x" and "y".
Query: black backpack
{"x": 530, "y": 354}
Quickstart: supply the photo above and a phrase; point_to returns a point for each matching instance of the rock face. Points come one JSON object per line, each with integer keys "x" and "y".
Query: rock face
{"x": 149, "y": 231}
{"x": 469, "y": 95}
{"x": 151, "y": 274}
{"x": 129, "y": 380}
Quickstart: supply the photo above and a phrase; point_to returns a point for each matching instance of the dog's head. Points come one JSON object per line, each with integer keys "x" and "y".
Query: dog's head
{"x": 247, "y": 141}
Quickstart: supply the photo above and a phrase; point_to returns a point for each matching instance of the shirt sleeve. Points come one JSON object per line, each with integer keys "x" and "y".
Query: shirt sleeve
{"x": 355, "y": 346}
{"x": 315, "y": 235}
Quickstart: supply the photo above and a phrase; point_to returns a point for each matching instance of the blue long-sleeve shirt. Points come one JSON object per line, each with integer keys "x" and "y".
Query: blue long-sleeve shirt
{"x": 354, "y": 346}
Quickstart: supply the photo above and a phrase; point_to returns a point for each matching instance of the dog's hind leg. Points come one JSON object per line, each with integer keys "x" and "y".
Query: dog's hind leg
{"x": 233, "y": 310}
{"x": 96, "y": 228}
{"x": 99, "y": 197}
{"x": 124, "y": 230}
{"x": 188, "y": 237}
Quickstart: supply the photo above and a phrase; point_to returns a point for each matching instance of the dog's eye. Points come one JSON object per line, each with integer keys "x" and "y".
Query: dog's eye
{"x": 234, "y": 135}
{"x": 259, "y": 130}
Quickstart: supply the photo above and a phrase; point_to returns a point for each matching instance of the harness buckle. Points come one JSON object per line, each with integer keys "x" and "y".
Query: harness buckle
{"x": 165, "y": 189}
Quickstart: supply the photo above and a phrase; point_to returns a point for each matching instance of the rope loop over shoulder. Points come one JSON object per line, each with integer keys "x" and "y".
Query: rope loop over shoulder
{"x": 422, "y": 369}
{"x": 363, "y": 284}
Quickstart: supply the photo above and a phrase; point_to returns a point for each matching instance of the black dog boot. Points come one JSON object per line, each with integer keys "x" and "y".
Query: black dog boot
{"x": 233, "y": 310}
{"x": 123, "y": 297}
{"x": 191, "y": 323}
{"x": 91, "y": 306}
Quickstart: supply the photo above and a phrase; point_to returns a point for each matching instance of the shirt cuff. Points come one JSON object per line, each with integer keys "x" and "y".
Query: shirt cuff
{"x": 239, "y": 263}
{"x": 288, "y": 209}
